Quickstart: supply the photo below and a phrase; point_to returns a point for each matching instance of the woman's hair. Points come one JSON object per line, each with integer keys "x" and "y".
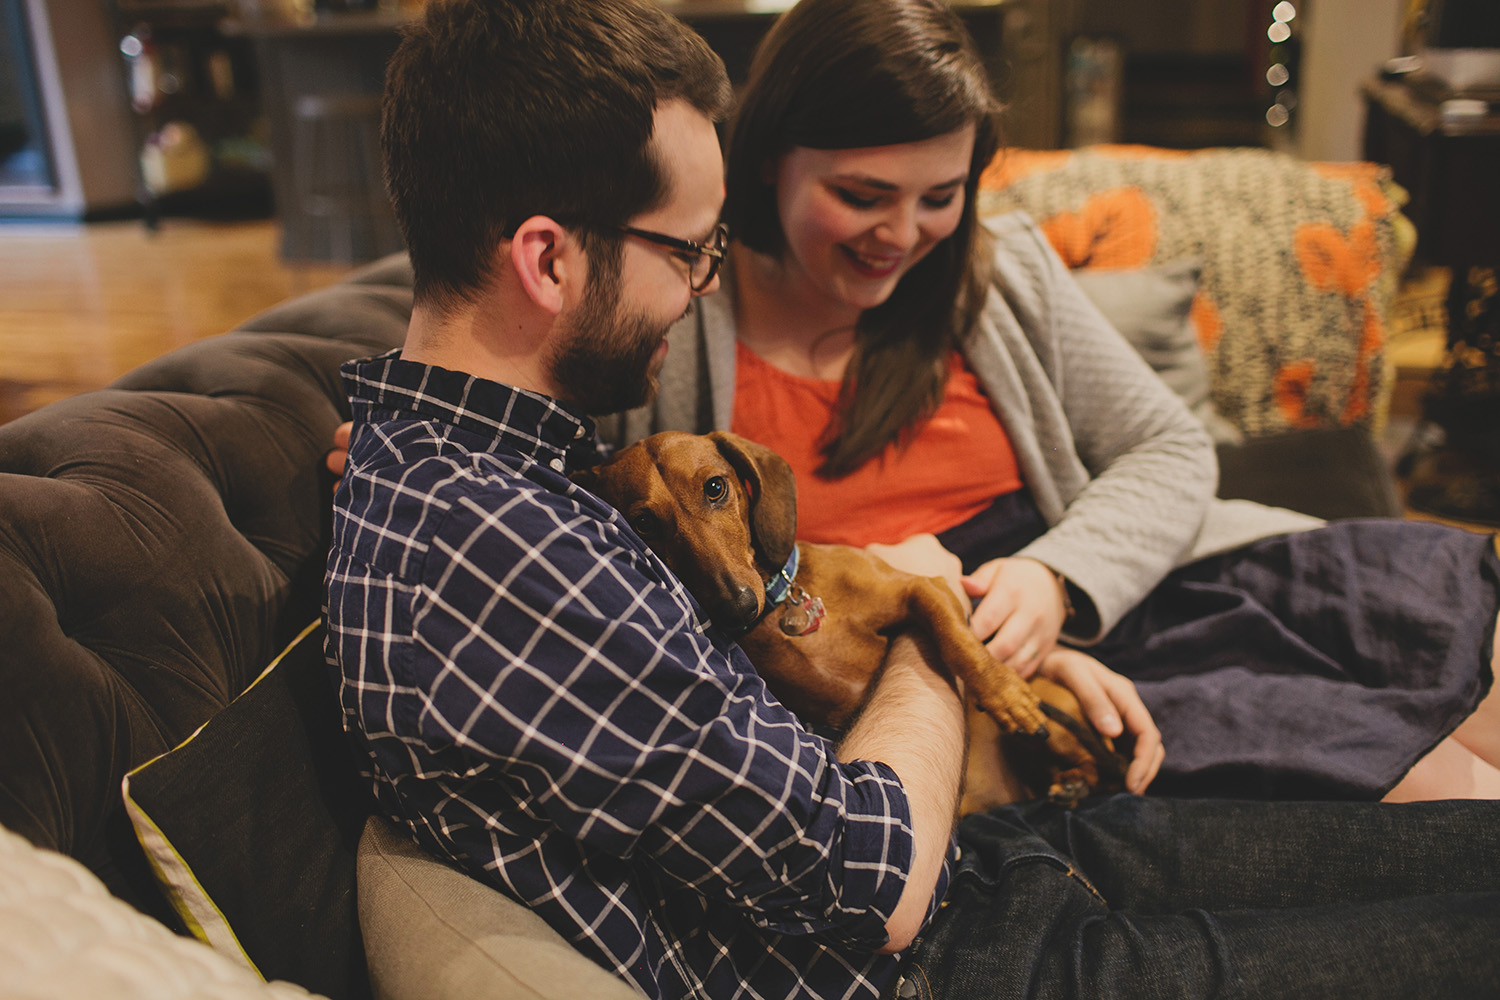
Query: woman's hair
{"x": 498, "y": 110}
{"x": 848, "y": 74}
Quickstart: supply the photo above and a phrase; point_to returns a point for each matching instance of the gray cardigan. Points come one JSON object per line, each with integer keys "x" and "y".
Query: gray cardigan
{"x": 1121, "y": 471}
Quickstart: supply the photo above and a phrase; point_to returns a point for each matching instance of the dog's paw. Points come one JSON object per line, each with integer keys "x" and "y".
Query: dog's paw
{"x": 1018, "y": 715}
{"x": 1068, "y": 792}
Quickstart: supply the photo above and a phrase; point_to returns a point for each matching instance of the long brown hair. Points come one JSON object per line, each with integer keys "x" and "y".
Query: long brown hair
{"x": 848, "y": 74}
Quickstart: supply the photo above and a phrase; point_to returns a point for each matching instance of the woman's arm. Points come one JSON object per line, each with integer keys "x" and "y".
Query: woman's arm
{"x": 1118, "y": 464}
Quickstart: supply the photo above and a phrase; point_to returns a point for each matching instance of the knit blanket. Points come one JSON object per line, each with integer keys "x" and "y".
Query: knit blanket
{"x": 1301, "y": 262}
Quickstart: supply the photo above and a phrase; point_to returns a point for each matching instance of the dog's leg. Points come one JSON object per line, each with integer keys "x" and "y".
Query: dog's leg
{"x": 1094, "y": 765}
{"x": 998, "y": 689}
{"x": 990, "y": 777}
{"x": 1077, "y": 760}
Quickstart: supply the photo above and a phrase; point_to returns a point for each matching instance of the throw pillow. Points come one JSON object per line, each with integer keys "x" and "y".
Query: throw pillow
{"x": 1150, "y": 306}
{"x": 252, "y": 825}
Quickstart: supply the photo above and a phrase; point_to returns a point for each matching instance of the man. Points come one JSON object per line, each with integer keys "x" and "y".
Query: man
{"x": 535, "y": 691}
{"x": 539, "y": 701}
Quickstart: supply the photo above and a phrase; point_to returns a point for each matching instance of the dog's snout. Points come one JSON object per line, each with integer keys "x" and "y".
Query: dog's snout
{"x": 740, "y": 608}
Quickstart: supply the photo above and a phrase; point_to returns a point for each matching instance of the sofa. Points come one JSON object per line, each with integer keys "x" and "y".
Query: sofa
{"x": 170, "y": 741}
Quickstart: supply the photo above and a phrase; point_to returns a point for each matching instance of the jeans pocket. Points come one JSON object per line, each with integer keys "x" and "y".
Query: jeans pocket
{"x": 994, "y": 843}
{"x": 992, "y": 925}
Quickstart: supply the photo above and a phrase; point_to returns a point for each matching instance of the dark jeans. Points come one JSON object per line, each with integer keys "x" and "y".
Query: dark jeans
{"x": 1143, "y": 897}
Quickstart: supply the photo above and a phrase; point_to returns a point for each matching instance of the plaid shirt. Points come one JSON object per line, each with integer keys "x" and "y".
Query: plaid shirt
{"x": 541, "y": 702}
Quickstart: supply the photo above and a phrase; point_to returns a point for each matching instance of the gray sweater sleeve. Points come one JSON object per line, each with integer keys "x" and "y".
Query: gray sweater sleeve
{"x": 1121, "y": 470}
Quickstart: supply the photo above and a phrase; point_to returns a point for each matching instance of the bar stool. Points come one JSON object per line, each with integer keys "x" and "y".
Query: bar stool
{"x": 337, "y": 178}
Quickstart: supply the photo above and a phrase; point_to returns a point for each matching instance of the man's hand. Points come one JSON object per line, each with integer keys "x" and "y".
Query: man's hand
{"x": 924, "y": 555}
{"x": 1020, "y": 612}
{"x": 336, "y": 458}
{"x": 1113, "y": 705}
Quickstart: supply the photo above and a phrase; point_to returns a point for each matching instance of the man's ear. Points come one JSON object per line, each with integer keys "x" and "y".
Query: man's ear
{"x": 547, "y": 261}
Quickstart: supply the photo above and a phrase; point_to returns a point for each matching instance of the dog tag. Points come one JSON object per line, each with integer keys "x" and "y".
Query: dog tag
{"x": 803, "y": 614}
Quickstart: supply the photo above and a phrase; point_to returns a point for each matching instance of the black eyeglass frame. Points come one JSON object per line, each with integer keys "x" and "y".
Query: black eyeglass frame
{"x": 714, "y": 253}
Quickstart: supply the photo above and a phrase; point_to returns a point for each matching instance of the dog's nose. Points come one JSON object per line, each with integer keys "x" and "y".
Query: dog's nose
{"x": 741, "y": 606}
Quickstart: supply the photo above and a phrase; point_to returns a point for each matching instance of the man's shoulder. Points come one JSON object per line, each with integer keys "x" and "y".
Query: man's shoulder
{"x": 420, "y": 458}
{"x": 408, "y": 489}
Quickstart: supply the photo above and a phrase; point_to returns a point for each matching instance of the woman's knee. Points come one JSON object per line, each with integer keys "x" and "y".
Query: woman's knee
{"x": 1449, "y": 771}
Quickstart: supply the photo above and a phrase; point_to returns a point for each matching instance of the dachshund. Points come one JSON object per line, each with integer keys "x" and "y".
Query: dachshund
{"x": 815, "y": 620}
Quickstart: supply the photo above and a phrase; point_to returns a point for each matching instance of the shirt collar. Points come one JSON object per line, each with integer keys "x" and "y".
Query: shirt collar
{"x": 538, "y": 426}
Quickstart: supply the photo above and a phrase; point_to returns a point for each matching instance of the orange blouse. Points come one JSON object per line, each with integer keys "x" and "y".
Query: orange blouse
{"x": 958, "y": 462}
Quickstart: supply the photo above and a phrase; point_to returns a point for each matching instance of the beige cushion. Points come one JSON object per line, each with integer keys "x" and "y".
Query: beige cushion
{"x": 431, "y": 932}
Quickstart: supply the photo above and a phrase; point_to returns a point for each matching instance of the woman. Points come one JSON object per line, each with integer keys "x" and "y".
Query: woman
{"x": 927, "y": 374}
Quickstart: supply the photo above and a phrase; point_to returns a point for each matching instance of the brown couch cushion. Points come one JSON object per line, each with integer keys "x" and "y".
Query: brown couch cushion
{"x": 160, "y": 541}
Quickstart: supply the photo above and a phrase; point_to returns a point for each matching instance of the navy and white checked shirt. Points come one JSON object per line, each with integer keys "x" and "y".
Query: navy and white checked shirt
{"x": 541, "y": 701}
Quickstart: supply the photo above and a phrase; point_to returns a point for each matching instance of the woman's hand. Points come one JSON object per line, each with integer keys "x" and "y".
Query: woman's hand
{"x": 336, "y": 458}
{"x": 1020, "y": 613}
{"x": 924, "y": 555}
{"x": 1113, "y": 705}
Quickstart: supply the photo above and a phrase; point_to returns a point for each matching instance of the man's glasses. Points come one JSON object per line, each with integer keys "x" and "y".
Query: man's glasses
{"x": 702, "y": 259}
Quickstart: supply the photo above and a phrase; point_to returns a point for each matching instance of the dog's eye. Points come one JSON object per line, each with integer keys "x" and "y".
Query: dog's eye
{"x": 716, "y": 489}
{"x": 644, "y": 523}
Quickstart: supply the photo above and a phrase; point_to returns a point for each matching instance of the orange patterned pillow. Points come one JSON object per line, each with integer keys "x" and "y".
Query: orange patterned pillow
{"x": 1300, "y": 262}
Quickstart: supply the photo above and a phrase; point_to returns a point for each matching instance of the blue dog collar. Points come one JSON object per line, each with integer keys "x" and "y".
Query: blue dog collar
{"x": 780, "y": 585}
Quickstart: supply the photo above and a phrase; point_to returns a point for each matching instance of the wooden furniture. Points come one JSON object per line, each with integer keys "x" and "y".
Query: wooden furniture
{"x": 66, "y": 148}
{"x": 1447, "y": 156}
{"x": 1448, "y": 163}
{"x": 333, "y": 60}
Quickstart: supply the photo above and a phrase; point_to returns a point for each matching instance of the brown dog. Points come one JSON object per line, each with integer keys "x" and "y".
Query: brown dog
{"x": 815, "y": 620}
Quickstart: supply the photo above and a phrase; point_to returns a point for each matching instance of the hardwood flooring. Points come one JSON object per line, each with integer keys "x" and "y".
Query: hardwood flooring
{"x": 81, "y": 304}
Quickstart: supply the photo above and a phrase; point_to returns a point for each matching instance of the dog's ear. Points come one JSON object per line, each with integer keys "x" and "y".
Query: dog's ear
{"x": 773, "y": 495}
{"x": 587, "y": 478}
{"x": 599, "y": 480}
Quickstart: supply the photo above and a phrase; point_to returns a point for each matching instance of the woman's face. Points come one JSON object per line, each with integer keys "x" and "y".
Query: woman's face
{"x": 856, "y": 220}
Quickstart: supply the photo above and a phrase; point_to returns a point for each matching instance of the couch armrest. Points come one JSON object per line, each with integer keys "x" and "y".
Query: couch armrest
{"x": 1328, "y": 473}
{"x": 433, "y": 933}
{"x": 64, "y": 935}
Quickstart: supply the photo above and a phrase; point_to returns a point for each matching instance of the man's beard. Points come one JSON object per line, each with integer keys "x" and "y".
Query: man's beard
{"x": 604, "y": 363}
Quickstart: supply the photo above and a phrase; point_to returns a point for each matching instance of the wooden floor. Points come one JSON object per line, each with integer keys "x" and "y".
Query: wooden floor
{"x": 82, "y": 304}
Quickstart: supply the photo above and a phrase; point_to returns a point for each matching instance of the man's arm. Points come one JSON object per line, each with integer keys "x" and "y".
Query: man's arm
{"x": 914, "y": 723}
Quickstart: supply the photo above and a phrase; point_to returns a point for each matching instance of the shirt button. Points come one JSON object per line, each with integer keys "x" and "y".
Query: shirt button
{"x": 580, "y": 432}
{"x": 557, "y": 464}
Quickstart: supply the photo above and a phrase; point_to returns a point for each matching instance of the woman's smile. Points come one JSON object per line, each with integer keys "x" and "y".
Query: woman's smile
{"x": 857, "y": 220}
{"x": 874, "y": 266}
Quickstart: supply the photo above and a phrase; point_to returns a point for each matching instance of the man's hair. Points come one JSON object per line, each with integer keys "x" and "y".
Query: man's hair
{"x": 499, "y": 110}
{"x": 849, "y": 74}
